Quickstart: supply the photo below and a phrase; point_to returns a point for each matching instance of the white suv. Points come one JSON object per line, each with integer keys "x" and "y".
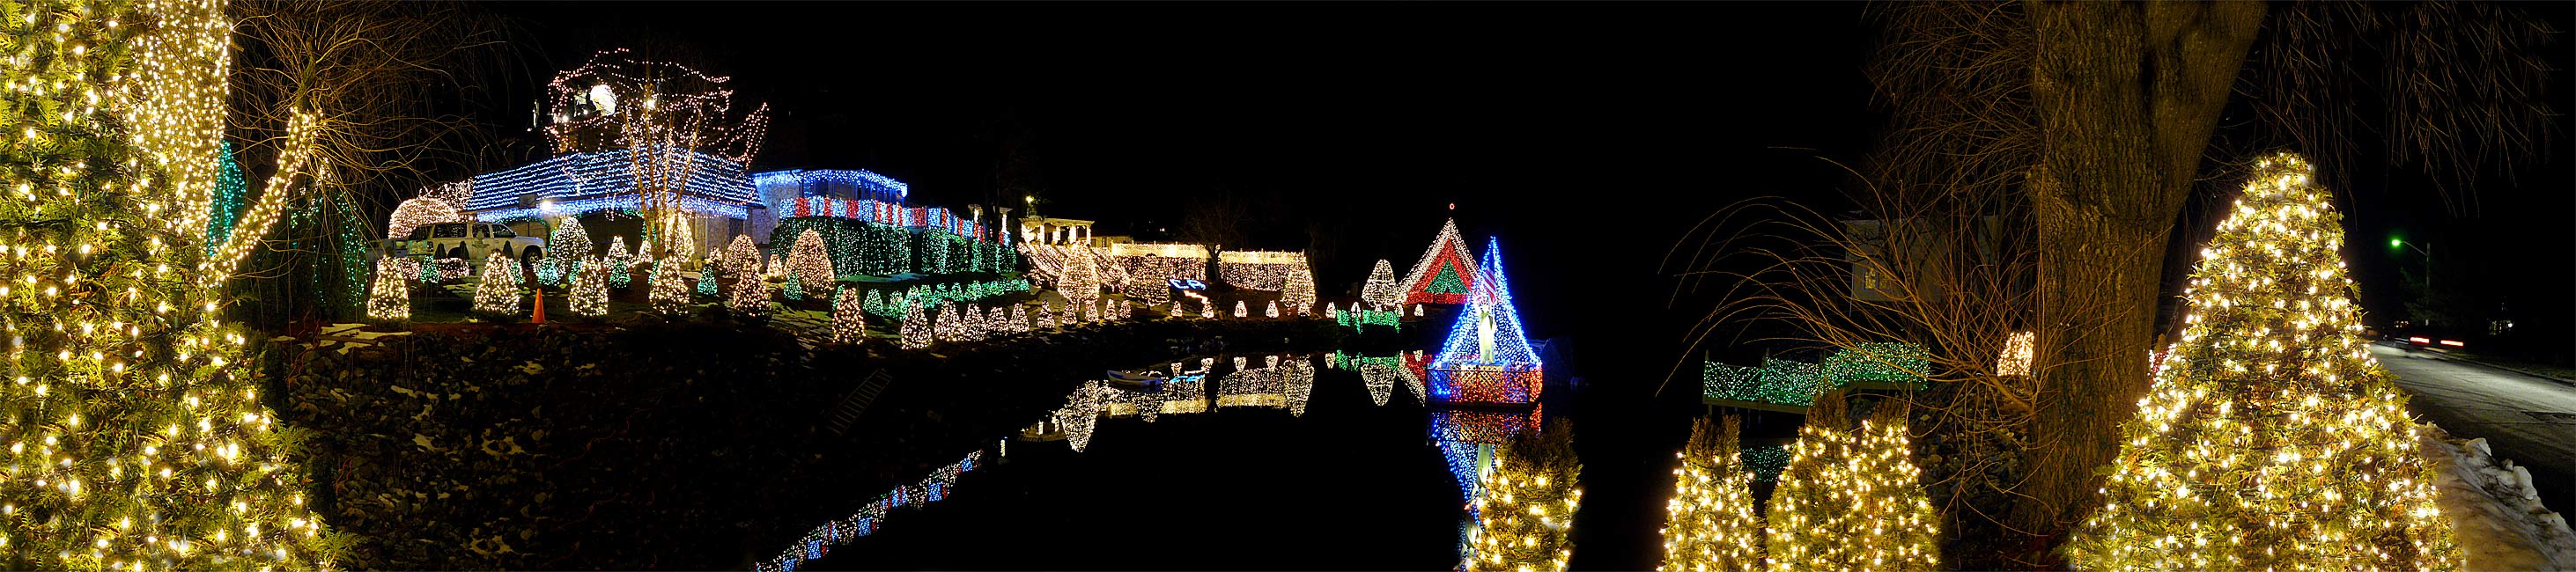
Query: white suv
{"x": 472, "y": 241}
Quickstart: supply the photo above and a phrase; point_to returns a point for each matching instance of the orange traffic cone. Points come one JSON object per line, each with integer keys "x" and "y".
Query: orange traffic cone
{"x": 541, "y": 308}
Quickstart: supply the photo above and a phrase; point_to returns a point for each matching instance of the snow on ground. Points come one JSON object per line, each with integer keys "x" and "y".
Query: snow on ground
{"x": 2496, "y": 515}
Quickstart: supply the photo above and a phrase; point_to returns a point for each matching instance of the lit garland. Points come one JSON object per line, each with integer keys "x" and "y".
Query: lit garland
{"x": 1444, "y": 274}
{"x": 670, "y": 292}
{"x": 499, "y": 291}
{"x": 2015, "y": 359}
{"x": 1851, "y": 498}
{"x": 872, "y": 516}
{"x": 421, "y": 211}
{"x": 1525, "y": 518}
{"x": 810, "y": 262}
{"x": 389, "y": 299}
{"x": 1381, "y": 291}
{"x": 590, "y": 289}
{"x": 849, "y": 322}
{"x": 1709, "y": 523}
{"x": 2271, "y": 438}
{"x": 619, "y": 261}
{"x": 1487, "y": 357}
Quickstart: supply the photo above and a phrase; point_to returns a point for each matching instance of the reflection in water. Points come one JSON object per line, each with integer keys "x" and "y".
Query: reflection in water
{"x": 871, "y": 516}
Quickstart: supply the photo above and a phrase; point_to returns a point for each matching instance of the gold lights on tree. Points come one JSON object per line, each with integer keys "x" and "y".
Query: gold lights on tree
{"x": 1851, "y": 498}
{"x": 1709, "y": 525}
{"x": 1525, "y": 516}
{"x": 498, "y": 293}
{"x": 590, "y": 289}
{"x": 389, "y": 299}
{"x": 2270, "y": 437}
{"x": 130, "y": 416}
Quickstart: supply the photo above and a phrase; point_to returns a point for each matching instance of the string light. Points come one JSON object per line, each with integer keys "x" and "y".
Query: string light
{"x": 619, "y": 263}
{"x": 420, "y": 211}
{"x": 2270, "y": 438}
{"x": 2015, "y": 359}
{"x": 1709, "y": 523}
{"x": 916, "y": 328}
{"x": 1381, "y": 291}
{"x": 590, "y": 288}
{"x": 670, "y": 291}
{"x": 389, "y": 300}
{"x": 1851, "y": 498}
{"x": 499, "y": 292}
{"x": 1148, "y": 265}
{"x": 1487, "y": 357}
{"x": 1525, "y": 518}
{"x": 1444, "y": 274}
{"x": 1239, "y": 309}
{"x": 872, "y": 516}
{"x": 684, "y": 128}
{"x": 849, "y": 323}
{"x": 810, "y": 262}
{"x": 750, "y": 293}
{"x": 1787, "y": 382}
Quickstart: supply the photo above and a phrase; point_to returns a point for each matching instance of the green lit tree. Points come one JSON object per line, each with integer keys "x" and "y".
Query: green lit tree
{"x": 1446, "y": 282}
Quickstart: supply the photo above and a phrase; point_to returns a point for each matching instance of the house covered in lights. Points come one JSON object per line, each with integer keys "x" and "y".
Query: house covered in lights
{"x": 599, "y": 188}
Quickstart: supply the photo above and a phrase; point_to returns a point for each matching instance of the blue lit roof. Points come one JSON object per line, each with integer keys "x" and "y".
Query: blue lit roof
{"x": 870, "y": 184}
{"x": 592, "y": 175}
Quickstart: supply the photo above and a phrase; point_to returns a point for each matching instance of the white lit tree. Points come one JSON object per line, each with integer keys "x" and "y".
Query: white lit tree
{"x": 619, "y": 261}
{"x": 741, "y": 260}
{"x": 670, "y": 290}
{"x": 1381, "y": 291}
{"x": 916, "y": 328}
{"x": 1709, "y": 525}
{"x": 568, "y": 245}
{"x": 750, "y": 295}
{"x": 849, "y": 320}
{"x": 2270, "y": 437}
{"x": 1525, "y": 516}
{"x": 810, "y": 262}
{"x": 590, "y": 289}
{"x": 1851, "y": 498}
{"x": 390, "y": 298}
{"x": 498, "y": 293}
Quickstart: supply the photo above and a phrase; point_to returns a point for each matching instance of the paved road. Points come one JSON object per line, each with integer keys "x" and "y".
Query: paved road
{"x": 2531, "y": 420}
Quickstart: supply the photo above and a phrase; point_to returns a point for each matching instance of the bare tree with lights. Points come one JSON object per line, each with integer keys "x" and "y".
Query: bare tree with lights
{"x": 662, "y": 116}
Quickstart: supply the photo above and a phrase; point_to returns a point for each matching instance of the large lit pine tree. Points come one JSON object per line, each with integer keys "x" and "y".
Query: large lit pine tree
{"x": 389, "y": 300}
{"x": 1851, "y": 498}
{"x": 1525, "y": 517}
{"x": 565, "y": 248}
{"x": 1709, "y": 524}
{"x": 130, "y": 416}
{"x": 810, "y": 263}
{"x": 2270, "y": 438}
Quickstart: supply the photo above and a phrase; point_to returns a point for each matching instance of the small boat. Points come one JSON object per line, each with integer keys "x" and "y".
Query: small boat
{"x": 1135, "y": 379}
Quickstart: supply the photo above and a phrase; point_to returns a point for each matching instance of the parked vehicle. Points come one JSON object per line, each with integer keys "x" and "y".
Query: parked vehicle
{"x": 472, "y": 241}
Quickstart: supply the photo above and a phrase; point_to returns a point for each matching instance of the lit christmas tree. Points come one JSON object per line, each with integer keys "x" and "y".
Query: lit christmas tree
{"x": 670, "y": 291}
{"x": 916, "y": 328}
{"x": 1446, "y": 282}
{"x": 1240, "y": 310}
{"x": 134, "y": 426}
{"x": 590, "y": 289}
{"x": 750, "y": 295}
{"x": 566, "y": 247}
{"x": 1019, "y": 318}
{"x": 811, "y": 262}
{"x": 1709, "y": 524}
{"x": 2270, "y": 438}
{"x": 849, "y": 320}
{"x": 793, "y": 289}
{"x": 620, "y": 263}
{"x": 1270, "y": 310}
{"x": 499, "y": 291}
{"x": 707, "y": 279}
{"x": 1526, "y": 514}
{"x": 389, "y": 299}
{"x": 1382, "y": 292}
{"x": 1850, "y": 497}
{"x": 741, "y": 258}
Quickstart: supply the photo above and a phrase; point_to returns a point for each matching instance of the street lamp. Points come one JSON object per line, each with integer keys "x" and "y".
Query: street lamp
{"x": 2426, "y": 250}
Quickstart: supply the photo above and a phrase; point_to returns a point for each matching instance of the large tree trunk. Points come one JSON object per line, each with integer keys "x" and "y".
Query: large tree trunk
{"x": 2127, "y": 95}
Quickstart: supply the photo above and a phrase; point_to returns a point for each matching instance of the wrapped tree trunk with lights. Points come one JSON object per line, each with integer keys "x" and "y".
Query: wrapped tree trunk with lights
{"x": 134, "y": 429}
{"x": 1709, "y": 523}
{"x": 2270, "y": 437}
{"x": 1850, "y": 498}
{"x": 1526, "y": 515}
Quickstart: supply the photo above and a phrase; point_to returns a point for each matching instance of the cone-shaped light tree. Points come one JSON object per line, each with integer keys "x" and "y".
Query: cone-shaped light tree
{"x": 1850, "y": 498}
{"x": 808, "y": 261}
{"x": 619, "y": 261}
{"x": 590, "y": 289}
{"x": 1710, "y": 525}
{"x": 1381, "y": 291}
{"x": 567, "y": 246}
{"x": 849, "y": 320}
{"x": 670, "y": 290}
{"x": 1525, "y": 517}
{"x": 2270, "y": 437}
{"x": 389, "y": 299}
{"x": 499, "y": 291}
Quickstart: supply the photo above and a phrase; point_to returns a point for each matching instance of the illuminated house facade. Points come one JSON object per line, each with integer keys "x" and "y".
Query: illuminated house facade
{"x": 600, "y": 188}
{"x": 836, "y": 193}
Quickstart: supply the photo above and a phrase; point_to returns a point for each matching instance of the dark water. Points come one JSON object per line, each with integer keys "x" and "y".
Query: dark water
{"x": 1350, "y": 484}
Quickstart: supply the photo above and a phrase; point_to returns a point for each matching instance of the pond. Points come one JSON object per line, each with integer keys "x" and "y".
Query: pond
{"x": 1323, "y": 461}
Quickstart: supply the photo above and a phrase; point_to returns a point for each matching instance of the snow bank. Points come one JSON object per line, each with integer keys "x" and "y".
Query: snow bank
{"x": 2496, "y": 515}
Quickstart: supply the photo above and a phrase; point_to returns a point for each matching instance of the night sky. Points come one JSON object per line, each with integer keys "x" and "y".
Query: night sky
{"x": 1588, "y": 137}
